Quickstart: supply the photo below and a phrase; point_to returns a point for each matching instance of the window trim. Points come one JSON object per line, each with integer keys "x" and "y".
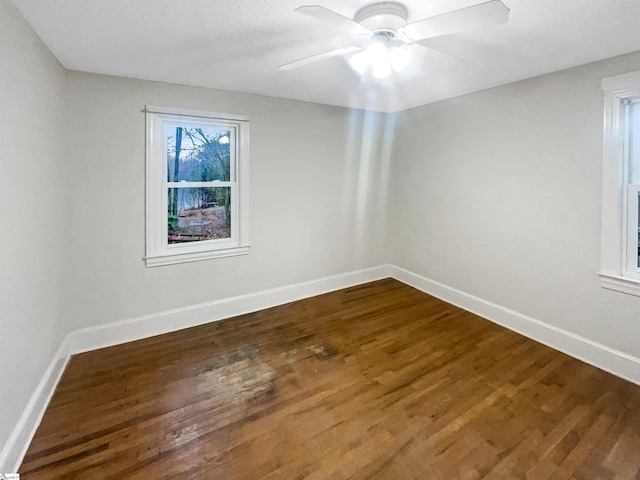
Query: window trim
{"x": 158, "y": 251}
{"x": 615, "y": 241}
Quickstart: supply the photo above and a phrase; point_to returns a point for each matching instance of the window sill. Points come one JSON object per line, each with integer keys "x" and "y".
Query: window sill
{"x": 629, "y": 286}
{"x": 173, "y": 258}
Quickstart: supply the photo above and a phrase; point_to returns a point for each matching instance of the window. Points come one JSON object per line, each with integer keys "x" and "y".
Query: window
{"x": 620, "y": 269}
{"x": 197, "y": 185}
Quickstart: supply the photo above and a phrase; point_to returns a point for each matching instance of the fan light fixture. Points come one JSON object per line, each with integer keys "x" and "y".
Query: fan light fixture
{"x": 384, "y": 55}
{"x": 380, "y": 59}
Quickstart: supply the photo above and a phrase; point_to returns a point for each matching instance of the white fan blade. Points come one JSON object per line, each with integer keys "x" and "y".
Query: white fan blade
{"x": 485, "y": 14}
{"x": 325, "y": 15}
{"x": 318, "y": 57}
{"x": 431, "y": 58}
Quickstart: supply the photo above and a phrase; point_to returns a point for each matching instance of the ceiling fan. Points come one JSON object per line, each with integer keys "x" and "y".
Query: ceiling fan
{"x": 385, "y": 37}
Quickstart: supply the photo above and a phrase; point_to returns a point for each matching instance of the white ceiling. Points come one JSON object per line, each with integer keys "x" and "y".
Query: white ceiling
{"x": 237, "y": 45}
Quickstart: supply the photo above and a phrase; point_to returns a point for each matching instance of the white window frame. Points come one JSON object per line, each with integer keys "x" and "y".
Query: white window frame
{"x": 618, "y": 269}
{"x": 158, "y": 251}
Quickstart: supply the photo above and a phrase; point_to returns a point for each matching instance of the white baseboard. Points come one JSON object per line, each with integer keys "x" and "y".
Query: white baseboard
{"x": 21, "y": 436}
{"x": 593, "y": 353}
{"x": 93, "y": 338}
{"x": 123, "y": 331}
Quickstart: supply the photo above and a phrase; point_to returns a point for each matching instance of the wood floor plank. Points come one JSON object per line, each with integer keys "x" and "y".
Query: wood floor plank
{"x": 378, "y": 381}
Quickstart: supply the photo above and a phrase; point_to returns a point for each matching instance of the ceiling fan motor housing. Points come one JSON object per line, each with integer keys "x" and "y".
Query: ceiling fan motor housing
{"x": 382, "y": 17}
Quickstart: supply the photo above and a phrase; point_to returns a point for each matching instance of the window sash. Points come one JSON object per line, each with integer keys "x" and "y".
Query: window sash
{"x": 213, "y": 184}
{"x": 629, "y": 191}
{"x": 632, "y": 228}
{"x": 213, "y": 124}
{"x": 200, "y": 245}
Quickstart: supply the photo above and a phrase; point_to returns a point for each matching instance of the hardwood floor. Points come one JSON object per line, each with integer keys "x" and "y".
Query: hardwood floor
{"x": 377, "y": 381}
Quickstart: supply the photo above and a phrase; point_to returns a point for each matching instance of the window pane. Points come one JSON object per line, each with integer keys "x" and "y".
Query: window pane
{"x": 634, "y": 143}
{"x": 197, "y": 214}
{"x": 638, "y": 225}
{"x": 198, "y": 154}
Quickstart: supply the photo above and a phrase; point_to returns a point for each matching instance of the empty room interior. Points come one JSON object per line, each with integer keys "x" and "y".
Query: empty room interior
{"x": 351, "y": 240}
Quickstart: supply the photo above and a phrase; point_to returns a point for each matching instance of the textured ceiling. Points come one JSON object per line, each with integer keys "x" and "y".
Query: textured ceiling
{"x": 237, "y": 45}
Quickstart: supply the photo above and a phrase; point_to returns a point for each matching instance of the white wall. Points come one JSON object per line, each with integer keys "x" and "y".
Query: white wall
{"x": 32, "y": 218}
{"x": 502, "y": 190}
{"x": 314, "y": 171}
